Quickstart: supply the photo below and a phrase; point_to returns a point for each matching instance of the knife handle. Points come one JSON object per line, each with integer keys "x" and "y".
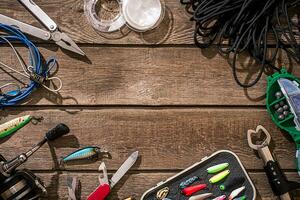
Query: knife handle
{"x": 100, "y": 193}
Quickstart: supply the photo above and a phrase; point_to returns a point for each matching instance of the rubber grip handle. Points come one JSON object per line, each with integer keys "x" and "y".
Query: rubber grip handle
{"x": 100, "y": 193}
{"x": 192, "y": 189}
{"x": 277, "y": 179}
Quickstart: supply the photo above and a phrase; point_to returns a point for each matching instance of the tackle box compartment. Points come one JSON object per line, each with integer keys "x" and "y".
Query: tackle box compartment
{"x": 199, "y": 169}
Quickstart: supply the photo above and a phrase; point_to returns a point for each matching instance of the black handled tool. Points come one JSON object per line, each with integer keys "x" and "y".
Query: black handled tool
{"x": 279, "y": 183}
{"x": 7, "y": 167}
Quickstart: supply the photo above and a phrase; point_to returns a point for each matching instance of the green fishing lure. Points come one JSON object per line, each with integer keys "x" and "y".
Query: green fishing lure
{"x": 219, "y": 177}
{"x": 12, "y": 126}
{"x": 217, "y": 168}
{"x": 283, "y": 105}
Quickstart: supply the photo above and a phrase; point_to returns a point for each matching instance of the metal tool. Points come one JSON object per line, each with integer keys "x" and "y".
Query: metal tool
{"x": 74, "y": 185}
{"x": 103, "y": 190}
{"x": 279, "y": 183}
{"x": 54, "y": 34}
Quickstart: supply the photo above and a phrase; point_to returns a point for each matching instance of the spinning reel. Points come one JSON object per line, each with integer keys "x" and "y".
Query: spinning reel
{"x": 23, "y": 184}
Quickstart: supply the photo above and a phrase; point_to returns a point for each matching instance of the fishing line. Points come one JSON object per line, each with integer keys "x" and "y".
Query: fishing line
{"x": 36, "y": 72}
{"x": 251, "y": 26}
{"x": 137, "y": 15}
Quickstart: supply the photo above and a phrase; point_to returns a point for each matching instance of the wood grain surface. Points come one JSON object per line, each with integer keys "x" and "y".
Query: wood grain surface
{"x": 155, "y": 92}
{"x": 175, "y": 138}
{"x": 176, "y": 27}
{"x": 147, "y": 76}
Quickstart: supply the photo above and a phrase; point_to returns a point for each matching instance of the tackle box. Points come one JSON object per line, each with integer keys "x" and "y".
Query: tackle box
{"x": 200, "y": 169}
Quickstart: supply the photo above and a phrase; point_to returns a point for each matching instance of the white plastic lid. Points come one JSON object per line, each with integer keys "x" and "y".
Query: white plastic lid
{"x": 142, "y": 15}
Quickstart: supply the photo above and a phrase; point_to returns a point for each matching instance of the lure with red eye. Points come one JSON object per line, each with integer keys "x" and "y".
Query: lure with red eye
{"x": 12, "y": 126}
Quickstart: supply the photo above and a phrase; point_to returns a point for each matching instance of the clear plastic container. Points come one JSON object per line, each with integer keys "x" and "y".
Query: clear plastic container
{"x": 143, "y": 15}
{"x": 138, "y": 15}
{"x": 98, "y": 21}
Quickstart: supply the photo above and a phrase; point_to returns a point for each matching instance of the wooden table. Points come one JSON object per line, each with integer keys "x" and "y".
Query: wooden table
{"x": 157, "y": 94}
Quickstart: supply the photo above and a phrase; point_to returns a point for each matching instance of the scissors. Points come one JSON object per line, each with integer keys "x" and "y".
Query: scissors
{"x": 104, "y": 189}
{"x": 53, "y": 33}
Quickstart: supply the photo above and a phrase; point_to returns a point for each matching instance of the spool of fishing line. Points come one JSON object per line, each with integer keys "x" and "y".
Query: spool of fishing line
{"x": 138, "y": 15}
{"x": 93, "y": 11}
{"x": 143, "y": 15}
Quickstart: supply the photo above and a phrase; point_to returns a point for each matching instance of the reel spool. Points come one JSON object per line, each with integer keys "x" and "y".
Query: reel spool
{"x": 99, "y": 22}
{"x": 23, "y": 184}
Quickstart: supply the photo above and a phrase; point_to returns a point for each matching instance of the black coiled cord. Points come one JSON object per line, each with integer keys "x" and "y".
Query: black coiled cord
{"x": 237, "y": 26}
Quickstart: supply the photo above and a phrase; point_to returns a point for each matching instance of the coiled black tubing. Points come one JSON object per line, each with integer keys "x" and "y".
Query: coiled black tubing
{"x": 256, "y": 27}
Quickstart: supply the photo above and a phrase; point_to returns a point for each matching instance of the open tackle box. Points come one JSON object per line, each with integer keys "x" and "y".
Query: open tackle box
{"x": 200, "y": 170}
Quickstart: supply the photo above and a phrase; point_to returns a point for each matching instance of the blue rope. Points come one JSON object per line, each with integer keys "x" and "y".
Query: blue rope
{"x": 15, "y": 35}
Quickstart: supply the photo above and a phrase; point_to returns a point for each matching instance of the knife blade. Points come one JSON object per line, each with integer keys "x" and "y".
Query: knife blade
{"x": 124, "y": 168}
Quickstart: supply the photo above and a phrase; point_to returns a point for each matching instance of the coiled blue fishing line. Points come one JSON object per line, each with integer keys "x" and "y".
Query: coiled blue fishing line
{"x": 12, "y": 34}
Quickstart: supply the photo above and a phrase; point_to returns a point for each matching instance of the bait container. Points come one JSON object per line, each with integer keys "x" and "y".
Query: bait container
{"x": 200, "y": 169}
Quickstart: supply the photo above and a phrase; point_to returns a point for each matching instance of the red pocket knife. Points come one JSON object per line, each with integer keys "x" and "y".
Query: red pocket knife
{"x": 103, "y": 190}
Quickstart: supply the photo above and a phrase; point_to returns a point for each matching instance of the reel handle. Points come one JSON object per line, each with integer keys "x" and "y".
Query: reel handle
{"x": 6, "y": 168}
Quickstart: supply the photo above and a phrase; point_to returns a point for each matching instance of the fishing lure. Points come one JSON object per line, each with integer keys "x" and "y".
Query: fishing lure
{"x": 231, "y": 183}
{"x": 219, "y": 177}
{"x": 87, "y": 153}
{"x": 217, "y": 168}
{"x": 12, "y": 126}
{"x": 241, "y": 198}
{"x": 163, "y": 193}
{"x": 188, "y": 182}
{"x": 201, "y": 196}
{"x": 129, "y": 198}
{"x": 223, "y": 197}
{"x": 188, "y": 191}
{"x": 236, "y": 192}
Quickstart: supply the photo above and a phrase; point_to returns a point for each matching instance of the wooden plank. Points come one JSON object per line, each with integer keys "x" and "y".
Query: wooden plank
{"x": 173, "y": 138}
{"x": 145, "y": 76}
{"x": 176, "y": 27}
{"x": 136, "y": 184}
